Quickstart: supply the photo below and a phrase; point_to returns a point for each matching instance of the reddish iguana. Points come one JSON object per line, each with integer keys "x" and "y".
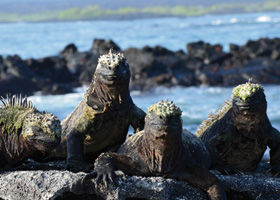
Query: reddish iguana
{"x": 238, "y": 134}
{"x": 101, "y": 120}
{"x": 162, "y": 149}
{"x": 25, "y": 132}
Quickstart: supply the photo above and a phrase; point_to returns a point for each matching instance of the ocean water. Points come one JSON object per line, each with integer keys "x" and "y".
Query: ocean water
{"x": 195, "y": 102}
{"x": 44, "y": 39}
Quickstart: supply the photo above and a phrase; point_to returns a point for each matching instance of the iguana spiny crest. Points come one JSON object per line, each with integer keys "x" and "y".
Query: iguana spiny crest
{"x": 112, "y": 59}
{"x": 212, "y": 118}
{"x": 17, "y": 101}
{"x": 18, "y": 114}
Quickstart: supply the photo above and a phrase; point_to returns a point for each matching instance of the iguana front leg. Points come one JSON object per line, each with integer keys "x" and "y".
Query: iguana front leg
{"x": 138, "y": 119}
{"x": 202, "y": 178}
{"x": 274, "y": 145}
{"x": 75, "y": 152}
{"x": 107, "y": 163}
{"x": 220, "y": 142}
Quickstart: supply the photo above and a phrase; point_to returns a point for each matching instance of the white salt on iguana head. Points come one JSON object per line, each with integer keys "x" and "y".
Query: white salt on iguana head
{"x": 247, "y": 90}
{"x": 112, "y": 59}
{"x": 165, "y": 109}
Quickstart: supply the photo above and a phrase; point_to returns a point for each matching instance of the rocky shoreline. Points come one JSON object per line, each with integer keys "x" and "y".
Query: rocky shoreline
{"x": 204, "y": 64}
{"x": 50, "y": 181}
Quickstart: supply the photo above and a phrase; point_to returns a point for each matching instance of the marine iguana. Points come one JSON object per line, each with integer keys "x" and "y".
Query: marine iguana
{"x": 25, "y": 132}
{"x": 238, "y": 134}
{"x": 162, "y": 149}
{"x": 101, "y": 120}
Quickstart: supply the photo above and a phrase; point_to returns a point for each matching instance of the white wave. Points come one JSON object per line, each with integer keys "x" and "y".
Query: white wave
{"x": 233, "y": 20}
{"x": 217, "y": 22}
{"x": 264, "y": 19}
{"x": 184, "y": 25}
{"x": 195, "y": 102}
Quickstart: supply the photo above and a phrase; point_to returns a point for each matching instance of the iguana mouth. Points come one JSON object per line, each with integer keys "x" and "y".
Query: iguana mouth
{"x": 247, "y": 105}
{"x": 117, "y": 76}
{"x": 46, "y": 139}
{"x": 163, "y": 125}
{"x": 160, "y": 124}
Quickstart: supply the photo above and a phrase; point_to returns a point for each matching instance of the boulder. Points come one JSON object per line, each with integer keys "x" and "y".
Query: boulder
{"x": 68, "y": 51}
{"x": 49, "y": 181}
{"x": 2, "y": 68}
{"x": 15, "y": 85}
{"x": 15, "y": 66}
{"x": 53, "y": 68}
{"x": 101, "y": 46}
{"x": 81, "y": 65}
{"x": 47, "y": 75}
{"x": 264, "y": 47}
{"x": 158, "y": 66}
{"x": 206, "y": 52}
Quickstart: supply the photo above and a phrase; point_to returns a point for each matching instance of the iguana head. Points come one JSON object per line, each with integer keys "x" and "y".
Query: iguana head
{"x": 249, "y": 108}
{"x": 163, "y": 119}
{"x": 248, "y": 96}
{"x": 112, "y": 69}
{"x": 42, "y": 129}
{"x": 19, "y": 116}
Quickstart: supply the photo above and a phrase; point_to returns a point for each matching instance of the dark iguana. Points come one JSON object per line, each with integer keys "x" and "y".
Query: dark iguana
{"x": 101, "y": 120}
{"x": 238, "y": 134}
{"x": 25, "y": 132}
{"x": 162, "y": 149}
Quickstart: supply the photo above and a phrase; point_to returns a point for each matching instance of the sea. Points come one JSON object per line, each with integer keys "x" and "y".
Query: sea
{"x": 36, "y": 40}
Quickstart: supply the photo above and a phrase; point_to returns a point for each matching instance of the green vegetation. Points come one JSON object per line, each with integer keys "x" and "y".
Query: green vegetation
{"x": 94, "y": 12}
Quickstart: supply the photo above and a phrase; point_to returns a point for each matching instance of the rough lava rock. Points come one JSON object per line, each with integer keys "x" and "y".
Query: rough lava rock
{"x": 51, "y": 181}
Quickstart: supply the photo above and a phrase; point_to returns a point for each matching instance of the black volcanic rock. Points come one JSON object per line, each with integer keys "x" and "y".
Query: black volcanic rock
{"x": 15, "y": 66}
{"x": 101, "y": 46}
{"x": 48, "y": 75}
{"x": 150, "y": 66}
{"x": 68, "y": 51}
{"x": 16, "y": 85}
{"x": 209, "y": 54}
{"x": 53, "y": 68}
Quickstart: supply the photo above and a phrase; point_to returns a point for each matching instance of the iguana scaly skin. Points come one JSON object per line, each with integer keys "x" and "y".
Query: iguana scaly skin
{"x": 237, "y": 135}
{"x": 25, "y": 132}
{"x": 162, "y": 149}
{"x": 101, "y": 120}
